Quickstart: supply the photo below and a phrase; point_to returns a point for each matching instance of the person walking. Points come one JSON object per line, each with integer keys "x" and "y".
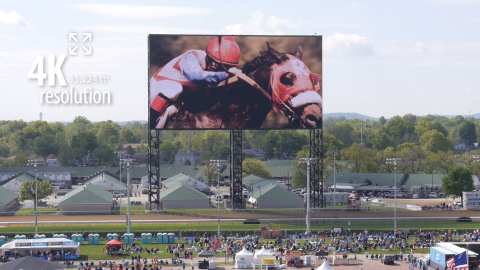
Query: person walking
{"x": 193, "y": 265}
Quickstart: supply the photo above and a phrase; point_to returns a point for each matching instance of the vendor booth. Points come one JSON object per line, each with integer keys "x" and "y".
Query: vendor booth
{"x": 243, "y": 259}
{"x": 325, "y": 266}
{"x": 53, "y": 248}
{"x": 293, "y": 258}
{"x": 206, "y": 263}
{"x": 113, "y": 247}
{"x": 263, "y": 258}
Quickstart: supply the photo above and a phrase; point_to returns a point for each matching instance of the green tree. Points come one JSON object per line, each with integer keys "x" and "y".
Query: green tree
{"x": 78, "y": 125}
{"x": 357, "y": 156}
{"x": 467, "y": 133}
{"x": 105, "y": 154}
{"x": 130, "y": 150}
{"x": 343, "y": 133}
{"x": 381, "y": 141}
{"x": 27, "y": 191}
{"x": 285, "y": 142}
{"x": 108, "y": 133}
{"x": 4, "y": 150}
{"x": 45, "y": 145}
{"x": 457, "y": 180}
{"x": 82, "y": 144}
{"x": 255, "y": 167}
{"x": 169, "y": 149}
{"x": 435, "y": 141}
{"x": 299, "y": 170}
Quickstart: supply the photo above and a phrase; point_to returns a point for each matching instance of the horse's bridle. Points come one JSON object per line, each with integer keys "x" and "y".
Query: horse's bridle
{"x": 288, "y": 111}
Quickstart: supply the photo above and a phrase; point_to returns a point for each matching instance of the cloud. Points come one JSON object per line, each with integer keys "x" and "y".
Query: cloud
{"x": 140, "y": 12}
{"x": 258, "y": 25}
{"x": 12, "y": 18}
{"x": 421, "y": 48}
{"x": 349, "y": 44}
{"x": 468, "y": 90}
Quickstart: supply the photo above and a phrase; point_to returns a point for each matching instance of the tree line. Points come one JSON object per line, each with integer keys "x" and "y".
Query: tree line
{"x": 425, "y": 143}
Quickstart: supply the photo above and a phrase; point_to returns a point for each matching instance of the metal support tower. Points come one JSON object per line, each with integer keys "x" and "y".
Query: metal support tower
{"x": 154, "y": 170}
{"x": 236, "y": 170}
{"x": 316, "y": 178}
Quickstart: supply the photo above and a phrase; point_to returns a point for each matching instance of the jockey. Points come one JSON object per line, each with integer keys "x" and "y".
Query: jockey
{"x": 190, "y": 71}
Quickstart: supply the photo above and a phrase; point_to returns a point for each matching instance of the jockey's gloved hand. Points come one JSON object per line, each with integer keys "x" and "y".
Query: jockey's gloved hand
{"x": 234, "y": 70}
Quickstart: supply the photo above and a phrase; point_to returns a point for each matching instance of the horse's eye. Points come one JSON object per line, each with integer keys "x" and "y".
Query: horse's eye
{"x": 288, "y": 79}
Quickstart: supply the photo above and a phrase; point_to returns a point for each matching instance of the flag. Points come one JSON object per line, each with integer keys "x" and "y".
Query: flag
{"x": 461, "y": 261}
{"x": 451, "y": 263}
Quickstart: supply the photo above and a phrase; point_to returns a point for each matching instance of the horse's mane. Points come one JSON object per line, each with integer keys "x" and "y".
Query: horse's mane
{"x": 266, "y": 57}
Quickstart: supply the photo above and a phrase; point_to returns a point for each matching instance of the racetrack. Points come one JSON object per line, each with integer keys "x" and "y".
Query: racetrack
{"x": 257, "y": 214}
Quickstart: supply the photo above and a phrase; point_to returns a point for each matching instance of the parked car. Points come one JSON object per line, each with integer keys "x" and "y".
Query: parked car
{"x": 365, "y": 199}
{"x": 409, "y": 195}
{"x": 441, "y": 195}
{"x": 388, "y": 259}
{"x": 433, "y": 195}
{"x": 415, "y": 196}
{"x": 457, "y": 203}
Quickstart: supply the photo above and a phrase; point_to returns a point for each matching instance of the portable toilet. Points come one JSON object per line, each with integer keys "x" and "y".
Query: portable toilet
{"x": 3, "y": 239}
{"x": 126, "y": 239}
{"x": 144, "y": 238}
{"x": 55, "y": 236}
{"x": 149, "y": 238}
{"x": 62, "y": 236}
{"x": 131, "y": 238}
{"x": 109, "y": 237}
{"x": 23, "y": 236}
{"x": 96, "y": 239}
{"x": 37, "y": 236}
{"x": 91, "y": 239}
{"x": 165, "y": 238}
{"x": 159, "y": 238}
{"x": 171, "y": 238}
{"x": 115, "y": 236}
{"x": 42, "y": 236}
{"x": 17, "y": 237}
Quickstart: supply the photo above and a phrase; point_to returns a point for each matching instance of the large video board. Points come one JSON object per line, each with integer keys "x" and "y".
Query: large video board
{"x": 235, "y": 82}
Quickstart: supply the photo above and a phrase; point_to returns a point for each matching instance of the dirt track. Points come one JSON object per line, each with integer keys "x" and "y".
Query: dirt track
{"x": 263, "y": 215}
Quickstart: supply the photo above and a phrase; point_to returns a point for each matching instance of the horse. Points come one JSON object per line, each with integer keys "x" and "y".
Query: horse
{"x": 272, "y": 80}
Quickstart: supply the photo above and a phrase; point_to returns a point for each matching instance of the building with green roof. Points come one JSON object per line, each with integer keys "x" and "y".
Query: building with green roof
{"x": 88, "y": 199}
{"x": 184, "y": 179}
{"x": 181, "y": 196}
{"x": 273, "y": 196}
{"x": 108, "y": 182}
{"x": 14, "y": 184}
{"x": 8, "y": 200}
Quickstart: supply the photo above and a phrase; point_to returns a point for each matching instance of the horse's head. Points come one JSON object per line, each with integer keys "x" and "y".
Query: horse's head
{"x": 293, "y": 88}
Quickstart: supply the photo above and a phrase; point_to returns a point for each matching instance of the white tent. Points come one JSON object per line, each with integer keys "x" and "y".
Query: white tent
{"x": 262, "y": 254}
{"x": 243, "y": 259}
{"x": 325, "y": 266}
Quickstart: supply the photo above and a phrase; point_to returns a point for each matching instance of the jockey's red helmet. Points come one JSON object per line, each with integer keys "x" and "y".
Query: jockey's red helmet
{"x": 224, "y": 50}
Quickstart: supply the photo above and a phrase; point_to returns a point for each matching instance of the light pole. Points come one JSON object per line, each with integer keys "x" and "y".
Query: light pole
{"x": 308, "y": 161}
{"x": 395, "y": 161}
{"x": 218, "y": 163}
{"x": 127, "y": 162}
{"x": 34, "y": 163}
{"x": 334, "y": 179}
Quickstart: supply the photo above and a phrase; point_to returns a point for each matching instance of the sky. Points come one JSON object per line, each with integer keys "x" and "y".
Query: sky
{"x": 380, "y": 58}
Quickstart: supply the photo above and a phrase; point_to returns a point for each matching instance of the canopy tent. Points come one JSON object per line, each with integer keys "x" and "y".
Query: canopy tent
{"x": 30, "y": 262}
{"x": 325, "y": 266}
{"x": 114, "y": 243}
{"x": 262, "y": 254}
{"x": 206, "y": 253}
{"x": 27, "y": 247}
{"x": 243, "y": 259}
